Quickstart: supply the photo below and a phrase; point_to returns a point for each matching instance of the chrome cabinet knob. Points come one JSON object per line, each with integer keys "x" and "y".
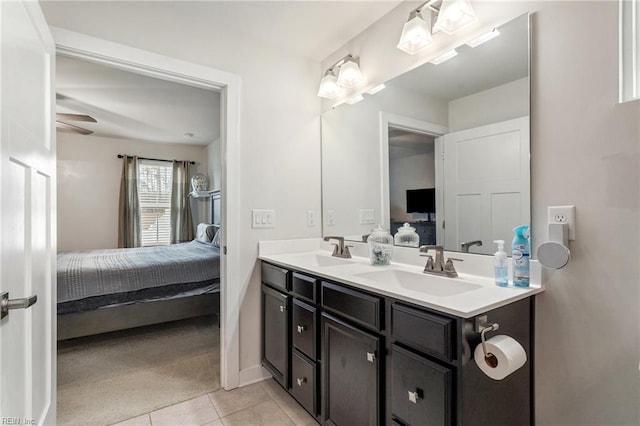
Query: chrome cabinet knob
{"x": 301, "y": 328}
{"x": 282, "y": 308}
{"x": 371, "y": 356}
{"x": 301, "y": 381}
{"x": 415, "y": 395}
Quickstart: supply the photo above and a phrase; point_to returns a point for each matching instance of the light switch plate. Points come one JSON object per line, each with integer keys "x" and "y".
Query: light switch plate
{"x": 261, "y": 218}
{"x": 367, "y": 216}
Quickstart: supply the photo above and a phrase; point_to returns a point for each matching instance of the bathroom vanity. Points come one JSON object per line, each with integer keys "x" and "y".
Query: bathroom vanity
{"x": 356, "y": 344}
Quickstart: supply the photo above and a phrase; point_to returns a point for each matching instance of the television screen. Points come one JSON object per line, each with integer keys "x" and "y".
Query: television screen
{"x": 421, "y": 200}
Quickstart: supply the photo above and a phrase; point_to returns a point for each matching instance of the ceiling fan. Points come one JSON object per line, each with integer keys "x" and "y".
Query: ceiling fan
{"x": 71, "y": 128}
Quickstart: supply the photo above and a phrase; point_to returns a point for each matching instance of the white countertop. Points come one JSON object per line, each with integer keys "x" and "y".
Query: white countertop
{"x": 473, "y": 293}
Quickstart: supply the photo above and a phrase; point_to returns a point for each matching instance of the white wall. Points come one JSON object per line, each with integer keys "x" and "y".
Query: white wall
{"x": 89, "y": 185}
{"x": 497, "y": 104}
{"x": 414, "y": 171}
{"x": 279, "y": 121}
{"x": 584, "y": 151}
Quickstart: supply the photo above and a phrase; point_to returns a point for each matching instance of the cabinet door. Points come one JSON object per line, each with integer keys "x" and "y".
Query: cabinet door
{"x": 421, "y": 390}
{"x": 275, "y": 332}
{"x": 350, "y": 374}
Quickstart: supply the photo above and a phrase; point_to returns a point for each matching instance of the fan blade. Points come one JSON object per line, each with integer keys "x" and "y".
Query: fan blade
{"x": 70, "y": 128}
{"x": 75, "y": 117}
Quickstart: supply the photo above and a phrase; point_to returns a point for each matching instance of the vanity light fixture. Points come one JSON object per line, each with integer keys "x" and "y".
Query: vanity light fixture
{"x": 484, "y": 38}
{"x": 354, "y": 100}
{"x": 446, "y": 15}
{"x": 416, "y": 33}
{"x": 444, "y": 57}
{"x": 349, "y": 76}
{"x": 453, "y": 15}
{"x": 329, "y": 85}
{"x": 376, "y": 89}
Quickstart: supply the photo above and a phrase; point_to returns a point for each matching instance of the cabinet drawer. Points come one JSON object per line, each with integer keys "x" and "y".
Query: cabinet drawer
{"x": 421, "y": 390}
{"x": 304, "y": 384}
{"x": 353, "y": 304}
{"x": 304, "y": 286}
{"x": 304, "y": 328}
{"x": 423, "y": 331}
{"x": 275, "y": 276}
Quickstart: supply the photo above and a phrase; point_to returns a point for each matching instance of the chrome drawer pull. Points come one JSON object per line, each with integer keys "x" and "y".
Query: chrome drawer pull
{"x": 282, "y": 308}
{"x": 415, "y": 395}
{"x": 371, "y": 356}
{"x": 301, "y": 381}
{"x": 301, "y": 328}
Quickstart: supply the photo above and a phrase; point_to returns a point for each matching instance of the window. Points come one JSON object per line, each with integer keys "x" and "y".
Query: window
{"x": 629, "y": 50}
{"x": 154, "y": 192}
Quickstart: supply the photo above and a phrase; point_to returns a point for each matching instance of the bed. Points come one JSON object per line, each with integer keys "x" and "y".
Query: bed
{"x": 115, "y": 289}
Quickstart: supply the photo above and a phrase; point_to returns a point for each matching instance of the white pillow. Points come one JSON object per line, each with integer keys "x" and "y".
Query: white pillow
{"x": 205, "y": 232}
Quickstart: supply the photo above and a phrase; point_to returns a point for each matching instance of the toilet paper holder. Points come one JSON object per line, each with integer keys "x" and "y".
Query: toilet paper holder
{"x": 482, "y": 327}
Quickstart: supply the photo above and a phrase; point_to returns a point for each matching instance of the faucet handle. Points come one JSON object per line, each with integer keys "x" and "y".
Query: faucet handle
{"x": 449, "y": 268}
{"x": 429, "y": 266}
{"x": 346, "y": 253}
{"x": 336, "y": 249}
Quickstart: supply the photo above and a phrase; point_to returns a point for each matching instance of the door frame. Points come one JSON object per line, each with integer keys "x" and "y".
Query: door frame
{"x": 387, "y": 120}
{"x": 84, "y": 47}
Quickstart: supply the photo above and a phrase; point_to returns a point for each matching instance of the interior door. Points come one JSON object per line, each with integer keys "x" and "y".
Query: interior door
{"x": 486, "y": 184}
{"x": 27, "y": 215}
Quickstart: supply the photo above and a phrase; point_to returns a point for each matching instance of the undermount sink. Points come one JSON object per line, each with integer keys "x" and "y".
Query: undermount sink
{"x": 424, "y": 283}
{"x": 318, "y": 260}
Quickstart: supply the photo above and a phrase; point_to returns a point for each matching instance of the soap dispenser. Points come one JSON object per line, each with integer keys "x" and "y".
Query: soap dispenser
{"x": 380, "y": 244}
{"x": 500, "y": 267}
{"x": 407, "y": 236}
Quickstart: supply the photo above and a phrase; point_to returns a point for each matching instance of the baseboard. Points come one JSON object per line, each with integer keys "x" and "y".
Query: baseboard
{"x": 253, "y": 375}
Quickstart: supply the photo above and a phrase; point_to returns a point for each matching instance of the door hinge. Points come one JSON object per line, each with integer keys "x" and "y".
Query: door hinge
{"x": 224, "y": 250}
{"x": 443, "y": 224}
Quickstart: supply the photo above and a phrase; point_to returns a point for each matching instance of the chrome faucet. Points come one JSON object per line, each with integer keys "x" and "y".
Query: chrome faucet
{"x": 439, "y": 266}
{"x": 465, "y": 246}
{"x": 339, "y": 249}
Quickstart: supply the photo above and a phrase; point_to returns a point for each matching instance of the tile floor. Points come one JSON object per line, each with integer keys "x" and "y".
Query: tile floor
{"x": 264, "y": 403}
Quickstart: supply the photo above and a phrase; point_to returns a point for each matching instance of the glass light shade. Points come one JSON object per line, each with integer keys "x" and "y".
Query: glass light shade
{"x": 453, "y": 15}
{"x": 416, "y": 35}
{"x": 329, "y": 86}
{"x": 349, "y": 75}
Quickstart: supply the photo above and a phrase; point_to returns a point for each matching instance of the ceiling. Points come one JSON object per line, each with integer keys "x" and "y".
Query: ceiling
{"x": 132, "y": 106}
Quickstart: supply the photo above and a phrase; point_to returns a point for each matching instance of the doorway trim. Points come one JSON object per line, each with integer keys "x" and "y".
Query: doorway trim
{"x": 417, "y": 126}
{"x": 144, "y": 62}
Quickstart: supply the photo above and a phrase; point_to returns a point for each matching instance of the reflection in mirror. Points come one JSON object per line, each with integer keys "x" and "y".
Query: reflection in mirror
{"x": 444, "y": 148}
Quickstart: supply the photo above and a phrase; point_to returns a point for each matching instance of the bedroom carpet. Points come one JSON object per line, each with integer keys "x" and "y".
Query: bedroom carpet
{"x": 108, "y": 378}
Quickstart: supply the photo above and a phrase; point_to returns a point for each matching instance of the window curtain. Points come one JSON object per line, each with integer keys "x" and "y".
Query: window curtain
{"x": 181, "y": 222}
{"x": 129, "y": 228}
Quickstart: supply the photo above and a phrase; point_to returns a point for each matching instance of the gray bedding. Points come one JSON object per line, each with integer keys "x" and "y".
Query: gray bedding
{"x": 94, "y": 278}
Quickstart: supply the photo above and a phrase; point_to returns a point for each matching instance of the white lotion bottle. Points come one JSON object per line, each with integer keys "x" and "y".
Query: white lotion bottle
{"x": 500, "y": 266}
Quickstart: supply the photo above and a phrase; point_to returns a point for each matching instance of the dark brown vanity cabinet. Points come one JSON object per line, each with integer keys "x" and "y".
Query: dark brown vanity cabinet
{"x": 275, "y": 322}
{"x": 351, "y": 374}
{"x": 352, "y": 357}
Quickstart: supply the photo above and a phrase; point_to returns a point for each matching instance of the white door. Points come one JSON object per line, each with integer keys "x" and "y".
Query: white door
{"x": 27, "y": 214}
{"x": 486, "y": 184}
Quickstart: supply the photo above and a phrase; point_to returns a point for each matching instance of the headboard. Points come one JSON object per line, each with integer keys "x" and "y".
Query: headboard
{"x": 216, "y": 210}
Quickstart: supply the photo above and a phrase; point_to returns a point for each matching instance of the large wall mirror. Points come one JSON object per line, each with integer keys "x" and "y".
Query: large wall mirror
{"x": 443, "y": 147}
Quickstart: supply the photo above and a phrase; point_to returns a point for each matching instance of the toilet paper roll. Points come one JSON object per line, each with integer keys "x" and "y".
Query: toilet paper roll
{"x": 506, "y": 356}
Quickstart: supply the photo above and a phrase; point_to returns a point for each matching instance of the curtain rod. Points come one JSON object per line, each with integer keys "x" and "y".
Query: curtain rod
{"x": 154, "y": 159}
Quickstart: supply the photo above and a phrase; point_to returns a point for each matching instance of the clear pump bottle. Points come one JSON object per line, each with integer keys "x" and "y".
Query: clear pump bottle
{"x": 500, "y": 267}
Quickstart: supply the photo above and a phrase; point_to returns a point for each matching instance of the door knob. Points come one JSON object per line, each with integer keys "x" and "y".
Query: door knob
{"x": 7, "y": 304}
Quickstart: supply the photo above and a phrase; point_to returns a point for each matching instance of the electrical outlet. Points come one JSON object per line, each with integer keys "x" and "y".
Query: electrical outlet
{"x": 564, "y": 214}
{"x": 331, "y": 218}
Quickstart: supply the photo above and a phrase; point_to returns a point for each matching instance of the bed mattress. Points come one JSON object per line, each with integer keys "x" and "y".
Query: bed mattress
{"x": 92, "y": 279}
